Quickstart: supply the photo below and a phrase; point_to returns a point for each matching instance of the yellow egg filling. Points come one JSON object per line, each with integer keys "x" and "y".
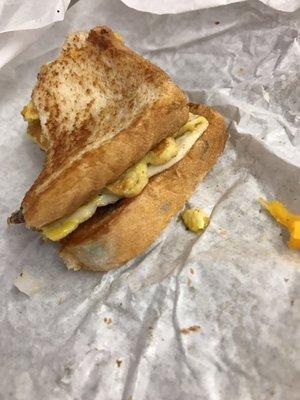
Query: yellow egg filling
{"x": 167, "y": 153}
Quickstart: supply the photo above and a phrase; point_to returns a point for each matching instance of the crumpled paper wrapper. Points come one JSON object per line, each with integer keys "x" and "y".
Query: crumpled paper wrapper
{"x": 22, "y": 22}
{"x": 175, "y": 7}
{"x": 214, "y": 316}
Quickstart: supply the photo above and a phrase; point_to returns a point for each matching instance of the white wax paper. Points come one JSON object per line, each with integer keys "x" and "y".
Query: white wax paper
{"x": 175, "y": 6}
{"x": 20, "y": 20}
{"x": 197, "y": 317}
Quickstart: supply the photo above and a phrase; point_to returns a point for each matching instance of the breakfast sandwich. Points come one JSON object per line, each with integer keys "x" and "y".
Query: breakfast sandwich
{"x": 124, "y": 150}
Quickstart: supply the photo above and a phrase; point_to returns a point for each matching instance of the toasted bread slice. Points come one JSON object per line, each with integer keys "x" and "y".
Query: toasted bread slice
{"x": 118, "y": 233}
{"x": 101, "y": 107}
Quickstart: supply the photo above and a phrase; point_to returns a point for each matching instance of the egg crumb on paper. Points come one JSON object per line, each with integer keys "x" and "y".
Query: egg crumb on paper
{"x": 195, "y": 219}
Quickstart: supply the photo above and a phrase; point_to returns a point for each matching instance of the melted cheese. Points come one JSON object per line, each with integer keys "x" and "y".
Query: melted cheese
{"x": 286, "y": 218}
{"x": 62, "y": 227}
{"x": 133, "y": 180}
{"x": 34, "y": 129}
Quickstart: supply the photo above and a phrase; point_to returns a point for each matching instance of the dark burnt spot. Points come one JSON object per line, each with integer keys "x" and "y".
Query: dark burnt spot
{"x": 100, "y": 37}
{"x": 16, "y": 217}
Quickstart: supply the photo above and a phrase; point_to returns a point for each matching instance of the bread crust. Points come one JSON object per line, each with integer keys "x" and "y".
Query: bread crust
{"x": 140, "y": 99}
{"x": 116, "y": 234}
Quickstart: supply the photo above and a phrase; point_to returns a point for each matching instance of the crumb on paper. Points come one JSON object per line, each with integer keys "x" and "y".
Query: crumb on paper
{"x": 223, "y": 232}
{"x": 193, "y": 328}
{"x": 265, "y": 94}
{"x": 67, "y": 377}
{"x": 119, "y": 362}
{"x": 195, "y": 219}
{"x": 61, "y": 300}
{"x": 71, "y": 267}
{"x": 286, "y": 218}
{"x": 108, "y": 320}
{"x": 192, "y": 271}
{"x": 27, "y": 283}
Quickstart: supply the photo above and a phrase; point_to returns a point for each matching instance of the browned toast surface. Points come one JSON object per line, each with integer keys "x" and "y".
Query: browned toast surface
{"x": 118, "y": 233}
{"x": 101, "y": 107}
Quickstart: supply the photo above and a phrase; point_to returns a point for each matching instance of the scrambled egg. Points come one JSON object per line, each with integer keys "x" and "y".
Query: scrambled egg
{"x": 163, "y": 152}
{"x": 34, "y": 129}
{"x": 29, "y": 112}
{"x": 285, "y": 217}
{"x": 184, "y": 143}
{"x": 62, "y": 227}
{"x": 132, "y": 182}
{"x": 195, "y": 219}
{"x": 193, "y": 121}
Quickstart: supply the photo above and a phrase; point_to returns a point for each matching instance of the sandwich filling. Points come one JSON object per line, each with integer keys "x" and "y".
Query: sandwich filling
{"x": 167, "y": 153}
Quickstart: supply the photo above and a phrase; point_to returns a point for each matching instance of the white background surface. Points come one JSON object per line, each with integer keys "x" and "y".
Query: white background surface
{"x": 175, "y": 6}
{"x": 238, "y": 282}
{"x": 22, "y": 22}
